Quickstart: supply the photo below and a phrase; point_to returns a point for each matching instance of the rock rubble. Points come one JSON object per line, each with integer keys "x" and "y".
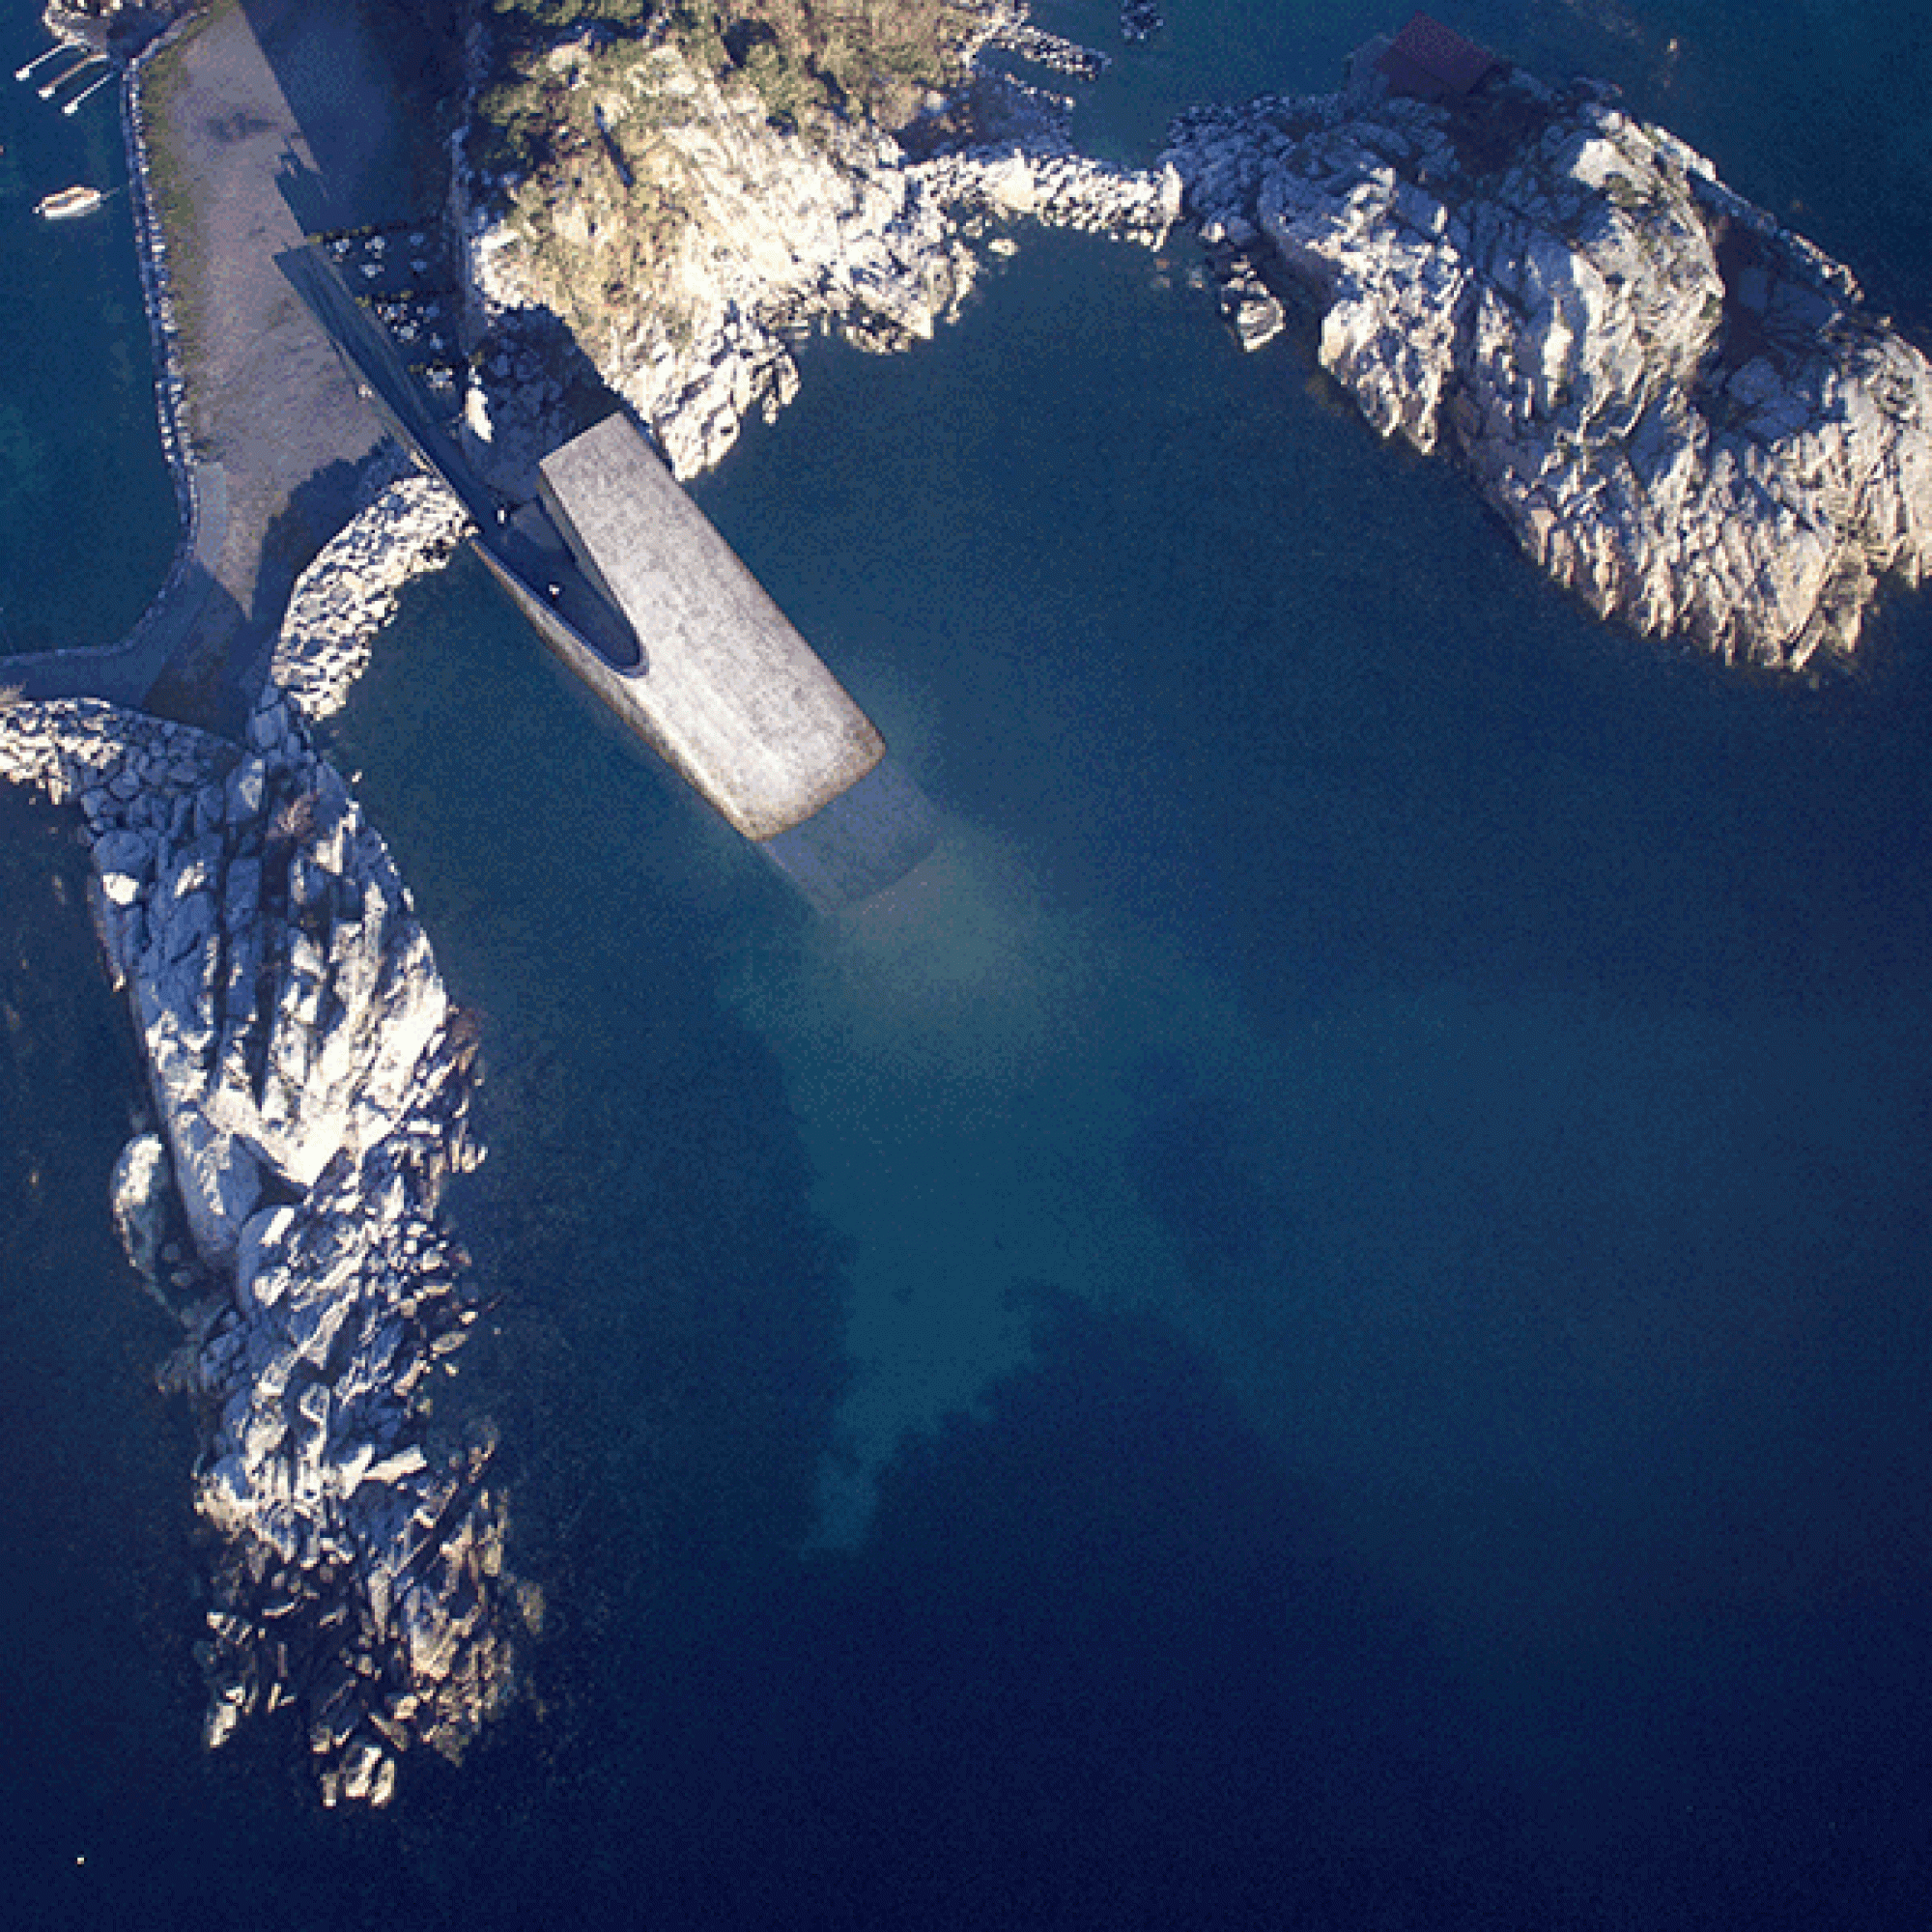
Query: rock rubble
{"x": 1015, "y": 33}
{"x": 346, "y": 596}
{"x": 1684, "y": 413}
{"x": 313, "y": 1085}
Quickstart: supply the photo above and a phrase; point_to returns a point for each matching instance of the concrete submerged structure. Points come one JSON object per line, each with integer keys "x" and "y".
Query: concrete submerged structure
{"x": 727, "y": 690}
{"x": 628, "y": 582}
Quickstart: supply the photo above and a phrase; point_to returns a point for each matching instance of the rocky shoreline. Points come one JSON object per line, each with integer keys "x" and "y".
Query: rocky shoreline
{"x": 698, "y": 244}
{"x": 1684, "y": 413}
{"x": 310, "y": 1078}
{"x": 346, "y": 596}
{"x": 312, "y": 1087}
{"x": 313, "y": 1084}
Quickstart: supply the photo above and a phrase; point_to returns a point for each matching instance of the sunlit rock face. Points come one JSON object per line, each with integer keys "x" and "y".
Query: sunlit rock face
{"x": 1685, "y": 413}
{"x": 686, "y": 243}
{"x": 313, "y": 1084}
{"x": 349, "y": 592}
{"x": 683, "y": 247}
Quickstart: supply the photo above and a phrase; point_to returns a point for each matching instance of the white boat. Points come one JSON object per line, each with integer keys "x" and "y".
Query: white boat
{"x": 68, "y": 202}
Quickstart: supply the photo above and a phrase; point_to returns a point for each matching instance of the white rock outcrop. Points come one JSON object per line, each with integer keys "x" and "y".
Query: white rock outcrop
{"x": 690, "y": 243}
{"x": 346, "y": 596}
{"x": 313, "y": 1085}
{"x": 1684, "y": 411}
{"x": 140, "y": 1190}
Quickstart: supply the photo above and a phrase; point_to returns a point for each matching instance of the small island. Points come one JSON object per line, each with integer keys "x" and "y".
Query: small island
{"x": 1684, "y": 411}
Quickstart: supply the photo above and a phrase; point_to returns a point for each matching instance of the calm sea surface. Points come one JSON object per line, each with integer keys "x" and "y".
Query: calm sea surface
{"x": 87, "y": 514}
{"x": 1324, "y": 1323}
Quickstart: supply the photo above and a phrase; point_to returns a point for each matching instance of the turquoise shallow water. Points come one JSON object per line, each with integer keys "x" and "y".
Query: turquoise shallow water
{"x": 1322, "y": 1323}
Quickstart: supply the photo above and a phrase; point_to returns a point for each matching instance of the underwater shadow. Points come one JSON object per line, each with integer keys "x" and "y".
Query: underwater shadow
{"x": 1102, "y": 1662}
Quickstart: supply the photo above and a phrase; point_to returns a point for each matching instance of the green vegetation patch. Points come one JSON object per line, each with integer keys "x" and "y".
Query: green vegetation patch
{"x": 174, "y": 199}
{"x": 811, "y": 61}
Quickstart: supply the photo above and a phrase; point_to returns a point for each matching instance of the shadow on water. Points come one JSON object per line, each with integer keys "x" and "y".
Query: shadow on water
{"x": 1016, "y": 1698}
{"x": 98, "y": 1695}
{"x": 306, "y": 193}
{"x": 645, "y": 1210}
{"x": 1462, "y": 1020}
{"x": 1101, "y": 1664}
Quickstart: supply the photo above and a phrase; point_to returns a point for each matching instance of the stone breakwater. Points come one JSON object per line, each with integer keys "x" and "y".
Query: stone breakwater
{"x": 1684, "y": 413}
{"x": 158, "y": 286}
{"x": 689, "y": 245}
{"x": 346, "y": 596}
{"x": 313, "y": 1085}
{"x": 201, "y": 489}
{"x": 1013, "y": 32}
{"x": 1058, "y": 190}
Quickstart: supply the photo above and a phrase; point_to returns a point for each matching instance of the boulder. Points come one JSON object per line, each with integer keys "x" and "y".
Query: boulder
{"x": 260, "y": 1256}
{"x": 125, "y": 851}
{"x": 140, "y": 1189}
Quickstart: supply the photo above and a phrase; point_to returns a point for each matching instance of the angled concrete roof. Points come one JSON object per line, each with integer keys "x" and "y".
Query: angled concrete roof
{"x": 729, "y": 692}
{"x": 1431, "y": 60}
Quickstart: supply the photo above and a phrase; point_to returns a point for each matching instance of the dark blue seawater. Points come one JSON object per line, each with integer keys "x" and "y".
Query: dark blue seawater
{"x": 87, "y": 513}
{"x": 1324, "y": 1323}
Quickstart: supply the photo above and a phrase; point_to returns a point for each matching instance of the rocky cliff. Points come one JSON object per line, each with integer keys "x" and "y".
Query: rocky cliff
{"x": 313, "y": 1085}
{"x": 1683, "y": 412}
{"x": 686, "y": 242}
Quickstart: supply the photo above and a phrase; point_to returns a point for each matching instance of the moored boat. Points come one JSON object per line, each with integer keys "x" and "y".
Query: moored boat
{"x": 68, "y": 202}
